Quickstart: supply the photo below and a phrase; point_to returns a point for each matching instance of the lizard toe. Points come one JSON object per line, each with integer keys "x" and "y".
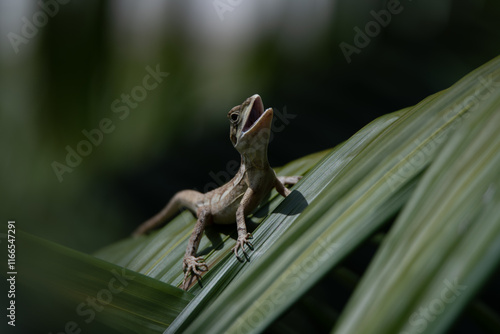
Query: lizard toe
{"x": 193, "y": 266}
{"x": 240, "y": 243}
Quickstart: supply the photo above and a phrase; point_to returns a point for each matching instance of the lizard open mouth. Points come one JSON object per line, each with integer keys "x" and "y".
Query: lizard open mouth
{"x": 255, "y": 114}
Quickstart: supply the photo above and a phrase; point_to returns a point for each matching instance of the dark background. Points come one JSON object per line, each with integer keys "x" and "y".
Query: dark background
{"x": 64, "y": 79}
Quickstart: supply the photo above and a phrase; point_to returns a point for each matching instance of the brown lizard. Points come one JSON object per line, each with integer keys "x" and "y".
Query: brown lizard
{"x": 250, "y": 128}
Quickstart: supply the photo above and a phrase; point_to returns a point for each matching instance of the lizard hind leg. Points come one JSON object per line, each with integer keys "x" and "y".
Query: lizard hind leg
{"x": 183, "y": 199}
{"x": 289, "y": 180}
{"x": 282, "y": 181}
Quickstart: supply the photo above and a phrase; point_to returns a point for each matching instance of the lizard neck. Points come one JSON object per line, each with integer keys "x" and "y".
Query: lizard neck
{"x": 253, "y": 150}
{"x": 255, "y": 159}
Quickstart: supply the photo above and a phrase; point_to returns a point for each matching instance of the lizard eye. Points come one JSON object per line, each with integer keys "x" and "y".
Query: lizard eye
{"x": 234, "y": 117}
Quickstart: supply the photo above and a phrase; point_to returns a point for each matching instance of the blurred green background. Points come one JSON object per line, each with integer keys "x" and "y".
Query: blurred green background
{"x": 66, "y": 66}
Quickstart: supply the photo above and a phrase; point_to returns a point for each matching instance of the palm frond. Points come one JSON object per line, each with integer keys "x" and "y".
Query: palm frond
{"x": 435, "y": 166}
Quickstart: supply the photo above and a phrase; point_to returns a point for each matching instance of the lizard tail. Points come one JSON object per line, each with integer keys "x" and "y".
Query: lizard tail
{"x": 183, "y": 199}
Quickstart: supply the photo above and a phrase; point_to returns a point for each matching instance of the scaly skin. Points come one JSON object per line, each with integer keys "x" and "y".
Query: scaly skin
{"x": 249, "y": 132}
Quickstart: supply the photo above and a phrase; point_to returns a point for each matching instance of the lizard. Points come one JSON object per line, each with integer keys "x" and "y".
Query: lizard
{"x": 250, "y": 129}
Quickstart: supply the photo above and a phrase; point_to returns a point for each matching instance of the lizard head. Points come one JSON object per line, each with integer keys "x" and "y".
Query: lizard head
{"x": 250, "y": 125}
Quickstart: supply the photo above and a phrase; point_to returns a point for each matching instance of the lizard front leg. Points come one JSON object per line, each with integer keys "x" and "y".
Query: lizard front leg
{"x": 191, "y": 264}
{"x": 243, "y": 235}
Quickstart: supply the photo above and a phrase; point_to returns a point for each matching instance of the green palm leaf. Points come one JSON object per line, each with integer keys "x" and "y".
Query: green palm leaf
{"x": 435, "y": 165}
{"x": 90, "y": 291}
{"x": 445, "y": 242}
{"x": 365, "y": 193}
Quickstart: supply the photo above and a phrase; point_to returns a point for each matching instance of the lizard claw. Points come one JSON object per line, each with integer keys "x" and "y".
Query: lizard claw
{"x": 240, "y": 243}
{"x": 194, "y": 266}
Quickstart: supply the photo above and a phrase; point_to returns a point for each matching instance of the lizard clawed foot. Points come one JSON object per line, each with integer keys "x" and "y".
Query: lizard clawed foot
{"x": 194, "y": 266}
{"x": 240, "y": 243}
